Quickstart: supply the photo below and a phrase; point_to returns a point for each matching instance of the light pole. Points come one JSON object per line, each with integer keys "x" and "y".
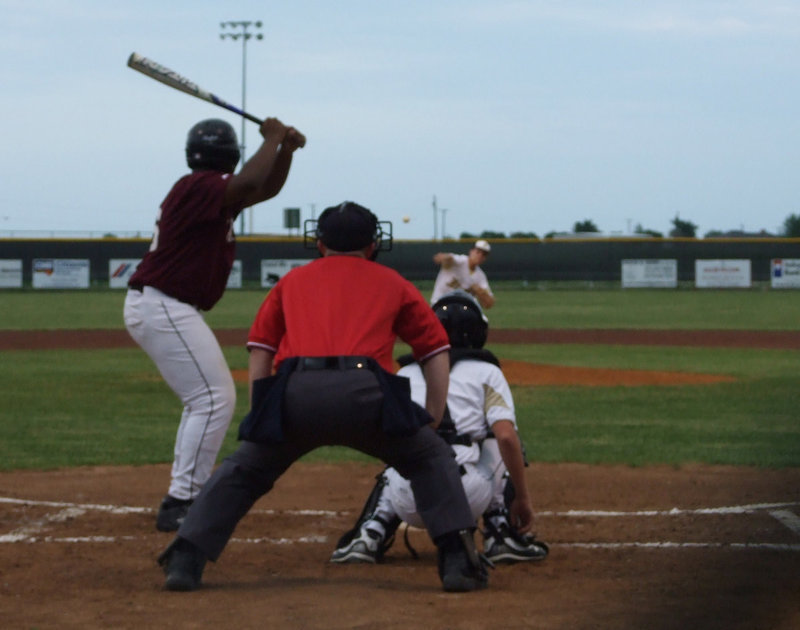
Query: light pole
{"x": 444, "y": 214}
{"x": 242, "y": 32}
{"x": 435, "y": 220}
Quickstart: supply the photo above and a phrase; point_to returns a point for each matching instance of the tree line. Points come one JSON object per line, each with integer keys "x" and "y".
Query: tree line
{"x": 680, "y": 229}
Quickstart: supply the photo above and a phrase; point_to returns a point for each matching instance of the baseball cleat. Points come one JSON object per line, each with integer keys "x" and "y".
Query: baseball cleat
{"x": 183, "y": 564}
{"x": 363, "y": 549}
{"x": 507, "y": 546}
{"x": 461, "y": 568}
{"x": 171, "y": 513}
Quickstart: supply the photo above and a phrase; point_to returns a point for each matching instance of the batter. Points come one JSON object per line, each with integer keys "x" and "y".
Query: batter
{"x": 184, "y": 274}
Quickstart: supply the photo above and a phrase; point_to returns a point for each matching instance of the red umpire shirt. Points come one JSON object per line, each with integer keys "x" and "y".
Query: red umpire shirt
{"x": 340, "y": 305}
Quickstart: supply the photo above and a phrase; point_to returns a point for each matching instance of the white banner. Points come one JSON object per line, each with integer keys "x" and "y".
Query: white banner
{"x": 729, "y": 274}
{"x": 273, "y": 270}
{"x": 10, "y": 273}
{"x": 60, "y": 273}
{"x": 120, "y": 271}
{"x": 650, "y": 273}
{"x": 235, "y": 278}
{"x": 785, "y": 273}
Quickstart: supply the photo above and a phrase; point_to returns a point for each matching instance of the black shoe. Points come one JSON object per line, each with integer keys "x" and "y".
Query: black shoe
{"x": 502, "y": 544}
{"x": 171, "y": 513}
{"x": 183, "y": 564}
{"x": 460, "y": 567}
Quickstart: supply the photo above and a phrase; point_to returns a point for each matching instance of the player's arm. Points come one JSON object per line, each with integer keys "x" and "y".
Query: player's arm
{"x": 264, "y": 174}
{"x": 280, "y": 170}
{"x": 483, "y": 296}
{"x": 436, "y": 371}
{"x": 521, "y": 509}
{"x": 259, "y": 366}
{"x": 443, "y": 259}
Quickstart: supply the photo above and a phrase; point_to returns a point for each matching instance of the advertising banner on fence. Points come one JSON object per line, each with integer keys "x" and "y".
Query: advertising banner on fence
{"x": 235, "y": 278}
{"x": 60, "y": 273}
{"x": 785, "y": 273}
{"x": 650, "y": 273}
{"x": 274, "y": 269}
{"x": 10, "y": 274}
{"x": 120, "y": 271}
{"x": 722, "y": 274}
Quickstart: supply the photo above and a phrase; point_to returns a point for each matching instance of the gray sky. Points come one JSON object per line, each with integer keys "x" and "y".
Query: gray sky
{"x": 516, "y": 116}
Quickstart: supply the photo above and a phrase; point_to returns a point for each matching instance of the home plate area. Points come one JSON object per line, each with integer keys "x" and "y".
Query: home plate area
{"x": 655, "y": 547}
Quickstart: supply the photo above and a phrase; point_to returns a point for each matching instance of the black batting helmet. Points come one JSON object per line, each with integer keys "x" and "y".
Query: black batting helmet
{"x": 463, "y": 318}
{"x": 212, "y": 145}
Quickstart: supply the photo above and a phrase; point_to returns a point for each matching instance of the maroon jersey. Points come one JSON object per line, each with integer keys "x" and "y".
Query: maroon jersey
{"x": 193, "y": 246}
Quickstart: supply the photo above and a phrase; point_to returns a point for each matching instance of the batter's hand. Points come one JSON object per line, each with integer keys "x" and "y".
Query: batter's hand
{"x": 273, "y": 128}
{"x": 294, "y": 139}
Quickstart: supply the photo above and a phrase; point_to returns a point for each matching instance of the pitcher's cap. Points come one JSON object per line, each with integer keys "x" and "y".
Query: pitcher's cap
{"x": 483, "y": 246}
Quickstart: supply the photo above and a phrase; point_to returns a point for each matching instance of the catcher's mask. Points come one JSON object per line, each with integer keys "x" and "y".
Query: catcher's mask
{"x": 348, "y": 227}
{"x": 463, "y": 318}
{"x": 212, "y": 145}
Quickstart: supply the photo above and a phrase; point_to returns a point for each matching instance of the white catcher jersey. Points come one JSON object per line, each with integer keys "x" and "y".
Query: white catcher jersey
{"x": 478, "y": 397}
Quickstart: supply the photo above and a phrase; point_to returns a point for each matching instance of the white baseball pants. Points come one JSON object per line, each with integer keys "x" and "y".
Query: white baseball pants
{"x": 188, "y": 355}
{"x": 483, "y": 484}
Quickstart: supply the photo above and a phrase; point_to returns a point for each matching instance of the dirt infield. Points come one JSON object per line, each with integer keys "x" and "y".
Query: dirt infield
{"x": 656, "y": 548}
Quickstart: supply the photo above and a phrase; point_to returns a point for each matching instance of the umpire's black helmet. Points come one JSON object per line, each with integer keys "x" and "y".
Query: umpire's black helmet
{"x": 212, "y": 145}
{"x": 463, "y": 318}
{"x": 348, "y": 227}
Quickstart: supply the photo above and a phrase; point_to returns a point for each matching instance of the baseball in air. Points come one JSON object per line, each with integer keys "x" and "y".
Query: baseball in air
{"x": 406, "y": 219}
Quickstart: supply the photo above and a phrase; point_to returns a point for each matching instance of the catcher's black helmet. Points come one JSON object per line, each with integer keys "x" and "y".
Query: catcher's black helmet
{"x": 212, "y": 145}
{"x": 463, "y": 318}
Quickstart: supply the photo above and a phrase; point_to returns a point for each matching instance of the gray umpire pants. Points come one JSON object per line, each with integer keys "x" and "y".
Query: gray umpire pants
{"x": 323, "y": 408}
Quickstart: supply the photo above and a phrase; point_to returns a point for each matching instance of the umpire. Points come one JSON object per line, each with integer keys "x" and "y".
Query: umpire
{"x": 330, "y": 347}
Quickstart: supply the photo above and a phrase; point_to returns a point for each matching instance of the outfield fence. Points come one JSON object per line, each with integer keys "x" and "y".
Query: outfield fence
{"x": 520, "y": 260}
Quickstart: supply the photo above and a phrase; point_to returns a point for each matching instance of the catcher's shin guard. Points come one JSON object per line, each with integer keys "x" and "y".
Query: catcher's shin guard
{"x": 368, "y": 514}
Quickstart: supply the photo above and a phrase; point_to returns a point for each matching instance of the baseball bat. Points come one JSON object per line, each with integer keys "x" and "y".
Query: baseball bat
{"x": 174, "y": 80}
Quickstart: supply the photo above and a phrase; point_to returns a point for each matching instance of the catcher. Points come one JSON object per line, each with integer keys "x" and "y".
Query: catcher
{"x": 481, "y": 430}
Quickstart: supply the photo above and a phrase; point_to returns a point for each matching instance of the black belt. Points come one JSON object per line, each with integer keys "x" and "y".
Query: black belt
{"x": 461, "y": 440}
{"x": 451, "y": 437}
{"x": 345, "y": 362}
{"x": 137, "y": 287}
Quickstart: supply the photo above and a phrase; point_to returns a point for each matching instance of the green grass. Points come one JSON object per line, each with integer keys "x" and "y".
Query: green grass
{"x": 93, "y": 407}
{"x": 71, "y": 408}
{"x": 747, "y": 423}
{"x": 564, "y": 308}
{"x": 654, "y": 309}
{"x": 738, "y": 362}
{"x": 52, "y": 310}
{"x": 752, "y": 421}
